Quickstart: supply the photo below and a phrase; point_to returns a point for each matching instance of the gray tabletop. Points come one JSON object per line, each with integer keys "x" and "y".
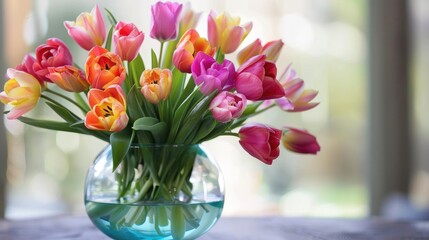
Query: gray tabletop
{"x": 271, "y": 228}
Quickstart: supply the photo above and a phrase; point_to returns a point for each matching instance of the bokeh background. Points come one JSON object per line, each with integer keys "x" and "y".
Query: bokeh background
{"x": 327, "y": 42}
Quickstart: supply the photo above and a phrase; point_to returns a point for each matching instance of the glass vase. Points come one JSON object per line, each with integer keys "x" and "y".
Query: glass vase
{"x": 156, "y": 192}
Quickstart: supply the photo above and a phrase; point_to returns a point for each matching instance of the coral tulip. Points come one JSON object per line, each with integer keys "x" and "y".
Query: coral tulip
{"x": 261, "y": 141}
{"x": 227, "y": 106}
{"x": 189, "y": 45}
{"x": 22, "y": 91}
{"x": 103, "y": 68}
{"x": 108, "y": 109}
{"x": 127, "y": 40}
{"x": 53, "y": 53}
{"x": 225, "y": 32}
{"x": 156, "y": 84}
{"x": 210, "y": 75}
{"x": 69, "y": 78}
{"x": 165, "y": 17}
{"x": 299, "y": 141}
{"x": 256, "y": 79}
{"x": 88, "y": 30}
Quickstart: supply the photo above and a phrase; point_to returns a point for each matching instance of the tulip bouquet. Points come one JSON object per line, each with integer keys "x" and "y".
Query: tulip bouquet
{"x": 190, "y": 93}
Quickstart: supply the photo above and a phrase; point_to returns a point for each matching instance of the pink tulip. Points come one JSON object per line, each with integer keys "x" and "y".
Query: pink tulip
{"x": 187, "y": 48}
{"x": 253, "y": 49}
{"x": 127, "y": 40}
{"x": 27, "y": 66}
{"x": 88, "y": 30}
{"x": 297, "y": 99}
{"x": 256, "y": 79}
{"x": 54, "y": 53}
{"x": 227, "y": 106}
{"x": 225, "y": 32}
{"x": 22, "y": 91}
{"x": 272, "y": 50}
{"x": 261, "y": 141}
{"x": 299, "y": 141}
{"x": 69, "y": 78}
{"x": 165, "y": 20}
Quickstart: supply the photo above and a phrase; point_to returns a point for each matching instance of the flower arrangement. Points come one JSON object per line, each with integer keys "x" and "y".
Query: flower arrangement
{"x": 190, "y": 93}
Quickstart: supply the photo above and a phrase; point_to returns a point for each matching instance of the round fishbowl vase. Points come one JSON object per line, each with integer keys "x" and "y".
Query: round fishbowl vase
{"x": 156, "y": 192}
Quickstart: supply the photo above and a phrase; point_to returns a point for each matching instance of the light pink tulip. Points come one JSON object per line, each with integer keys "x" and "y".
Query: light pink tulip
{"x": 261, "y": 141}
{"x": 227, "y": 106}
{"x": 253, "y": 49}
{"x": 165, "y": 16}
{"x": 127, "y": 40}
{"x": 188, "y": 19}
{"x": 272, "y": 50}
{"x": 225, "y": 32}
{"x": 299, "y": 141}
{"x": 88, "y": 30}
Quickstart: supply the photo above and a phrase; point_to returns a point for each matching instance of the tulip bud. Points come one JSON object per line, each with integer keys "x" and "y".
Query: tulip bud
{"x": 165, "y": 20}
{"x": 69, "y": 78}
{"x": 127, "y": 40}
{"x": 299, "y": 141}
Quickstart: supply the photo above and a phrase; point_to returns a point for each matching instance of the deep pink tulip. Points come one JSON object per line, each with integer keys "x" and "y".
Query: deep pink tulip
{"x": 299, "y": 141}
{"x": 256, "y": 79}
{"x": 227, "y": 106}
{"x": 261, "y": 141}
{"x": 165, "y": 17}
{"x": 127, "y": 40}
{"x": 211, "y": 75}
{"x": 54, "y": 53}
{"x": 27, "y": 66}
{"x": 88, "y": 30}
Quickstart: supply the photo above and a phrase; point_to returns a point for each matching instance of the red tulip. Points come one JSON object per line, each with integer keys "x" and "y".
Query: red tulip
{"x": 261, "y": 141}
{"x": 299, "y": 141}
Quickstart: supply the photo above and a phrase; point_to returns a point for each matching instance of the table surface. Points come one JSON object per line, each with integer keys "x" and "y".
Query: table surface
{"x": 228, "y": 228}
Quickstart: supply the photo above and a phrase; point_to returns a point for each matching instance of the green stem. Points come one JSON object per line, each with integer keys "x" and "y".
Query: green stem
{"x": 66, "y": 98}
{"x": 160, "y": 54}
{"x": 230, "y": 134}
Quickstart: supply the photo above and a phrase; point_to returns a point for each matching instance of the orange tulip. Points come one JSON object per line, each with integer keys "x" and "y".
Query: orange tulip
{"x": 69, "y": 78}
{"x": 156, "y": 84}
{"x": 189, "y": 45}
{"x": 108, "y": 109}
{"x": 22, "y": 91}
{"x": 104, "y": 68}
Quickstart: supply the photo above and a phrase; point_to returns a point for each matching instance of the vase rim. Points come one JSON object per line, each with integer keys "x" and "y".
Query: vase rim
{"x": 163, "y": 145}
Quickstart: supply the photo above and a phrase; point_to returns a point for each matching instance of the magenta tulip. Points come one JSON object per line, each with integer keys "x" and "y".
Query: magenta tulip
{"x": 211, "y": 75}
{"x": 127, "y": 40}
{"x": 299, "y": 141}
{"x": 54, "y": 53}
{"x": 88, "y": 30}
{"x": 261, "y": 141}
{"x": 256, "y": 79}
{"x": 227, "y": 106}
{"x": 165, "y": 20}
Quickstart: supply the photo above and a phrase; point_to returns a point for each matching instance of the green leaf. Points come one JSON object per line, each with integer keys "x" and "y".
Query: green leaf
{"x": 206, "y": 126}
{"x": 109, "y": 38}
{"x": 81, "y": 101}
{"x": 154, "y": 59}
{"x": 48, "y": 124}
{"x": 112, "y": 18}
{"x": 64, "y": 113}
{"x": 120, "y": 142}
{"x": 154, "y": 126}
{"x": 135, "y": 109}
{"x": 136, "y": 67}
{"x": 177, "y": 85}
